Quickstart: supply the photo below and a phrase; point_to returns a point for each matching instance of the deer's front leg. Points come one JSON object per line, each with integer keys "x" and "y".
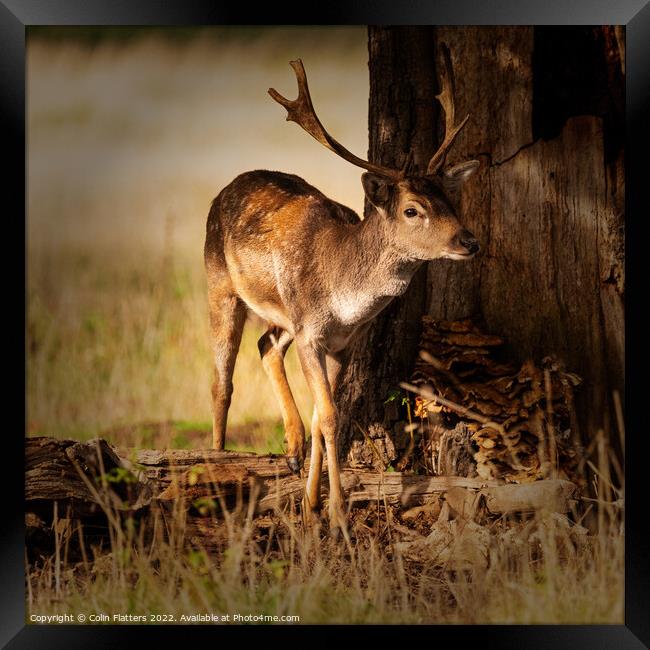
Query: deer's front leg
{"x": 312, "y": 359}
{"x": 311, "y": 502}
{"x": 334, "y": 364}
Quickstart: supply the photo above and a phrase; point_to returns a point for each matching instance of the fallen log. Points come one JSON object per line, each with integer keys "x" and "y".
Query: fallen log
{"x": 92, "y": 483}
{"x": 552, "y": 495}
{"x": 161, "y": 465}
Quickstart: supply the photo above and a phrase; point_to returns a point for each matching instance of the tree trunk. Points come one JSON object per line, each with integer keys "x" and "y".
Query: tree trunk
{"x": 402, "y": 117}
{"x": 546, "y": 109}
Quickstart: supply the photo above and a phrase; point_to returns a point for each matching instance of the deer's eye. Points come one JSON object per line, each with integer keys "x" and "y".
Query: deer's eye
{"x": 411, "y": 212}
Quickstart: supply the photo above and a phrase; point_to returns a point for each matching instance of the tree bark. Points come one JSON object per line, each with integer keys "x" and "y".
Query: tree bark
{"x": 402, "y": 118}
{"x": 546, "y": 112}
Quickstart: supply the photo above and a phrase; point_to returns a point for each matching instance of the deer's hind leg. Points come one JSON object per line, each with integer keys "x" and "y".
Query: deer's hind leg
{"x": 273, "y": 346}
{"x": 227, "y": 318}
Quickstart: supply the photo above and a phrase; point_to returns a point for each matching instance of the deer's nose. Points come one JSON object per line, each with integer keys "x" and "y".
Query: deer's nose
{"x": 468, "y": 240}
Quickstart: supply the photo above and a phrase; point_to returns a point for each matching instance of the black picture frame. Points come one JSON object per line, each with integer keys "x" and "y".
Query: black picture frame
{"x": 16, "y": 15}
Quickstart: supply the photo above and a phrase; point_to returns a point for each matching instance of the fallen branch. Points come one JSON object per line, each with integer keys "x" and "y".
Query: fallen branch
{"x": 460, "y": 410}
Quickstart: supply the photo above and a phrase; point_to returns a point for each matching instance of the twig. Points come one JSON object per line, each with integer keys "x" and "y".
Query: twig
{"x": 430, "y": 359}
{"x": 619, "y": 503}
{"x": 602, "y": 477}
{"x": 28, "y": 577}
{"x": 401, "y": 463}
{"x": 442, "y": 442}
{"x": 620, "y": 475}
{"x": 619, "y": 420}
{"x": 584, "y": 515}
{"x": 98, "y": 499}
{"x": 461, "y": 410}
{"x": 82, "y": 546}
{"x": 57, "y": 549}
{"x": 372, "y": 444}
{"x": 550, "y": 433}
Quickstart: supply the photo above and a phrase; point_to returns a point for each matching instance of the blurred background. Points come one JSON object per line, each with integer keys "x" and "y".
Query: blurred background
{"x": 131, "y": 134}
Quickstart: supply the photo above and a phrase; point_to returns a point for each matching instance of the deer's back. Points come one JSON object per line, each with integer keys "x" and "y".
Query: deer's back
{"x": 268, "y": 231}
{"x": 256, "y": 200}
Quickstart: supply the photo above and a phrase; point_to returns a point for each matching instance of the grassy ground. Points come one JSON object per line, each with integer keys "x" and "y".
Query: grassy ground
{"x": 121, "y": 176}
{"x": 539, "y": 570}
{"x": 114, "y": 344}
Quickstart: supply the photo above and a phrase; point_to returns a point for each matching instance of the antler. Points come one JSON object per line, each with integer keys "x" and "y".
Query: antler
{"x": 301, "y": 111}
{"x": 446, "y": 99}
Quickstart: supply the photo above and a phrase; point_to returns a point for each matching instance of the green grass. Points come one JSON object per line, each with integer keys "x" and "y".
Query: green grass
{"x": 189, "y": 425}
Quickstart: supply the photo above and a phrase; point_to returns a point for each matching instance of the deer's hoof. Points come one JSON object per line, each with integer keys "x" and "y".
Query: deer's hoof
{"x": 294, "y": 464}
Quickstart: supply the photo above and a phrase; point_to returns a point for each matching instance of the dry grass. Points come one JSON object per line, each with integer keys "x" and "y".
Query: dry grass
{"x": 128, "y": 144}
{"x": 114, "y": 342}
{"x": 120, "y": 182}
{"x": 525, "y": 570}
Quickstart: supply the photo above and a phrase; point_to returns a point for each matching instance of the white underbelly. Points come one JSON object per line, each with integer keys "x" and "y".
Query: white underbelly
{"x": 269, "y": 312}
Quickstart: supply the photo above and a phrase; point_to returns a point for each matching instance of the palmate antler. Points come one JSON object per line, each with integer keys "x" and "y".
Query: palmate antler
{"x": 446, "y": 99}
{"x": 301, "y": 111}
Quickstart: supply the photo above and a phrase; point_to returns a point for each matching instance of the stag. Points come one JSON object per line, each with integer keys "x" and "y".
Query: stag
{"x": 318, "y": 274}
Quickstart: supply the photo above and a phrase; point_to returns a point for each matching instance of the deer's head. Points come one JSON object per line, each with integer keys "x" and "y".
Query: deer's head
{"x": 417, "y": 211}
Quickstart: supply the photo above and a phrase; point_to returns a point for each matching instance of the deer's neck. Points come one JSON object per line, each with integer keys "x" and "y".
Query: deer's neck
{"x": 371, "y": 271}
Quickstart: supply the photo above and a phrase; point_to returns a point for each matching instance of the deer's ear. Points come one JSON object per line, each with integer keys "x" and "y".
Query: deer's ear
{"x": 453, "y": 177}
{"x": 377, "y": 189}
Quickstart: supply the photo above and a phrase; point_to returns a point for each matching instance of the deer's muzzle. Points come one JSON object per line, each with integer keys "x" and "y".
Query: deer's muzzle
{"x": 467, "y": 240}
{"x": 462, "y": 246}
